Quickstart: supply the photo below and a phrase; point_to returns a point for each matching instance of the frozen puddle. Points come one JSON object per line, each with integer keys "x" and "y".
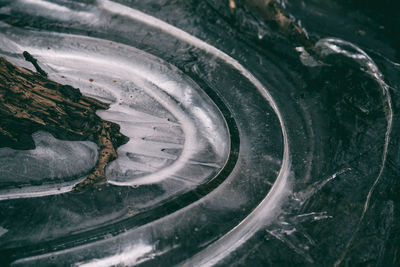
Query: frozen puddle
{"x": 179, "y": 142}
{"x": 178, "y": 137}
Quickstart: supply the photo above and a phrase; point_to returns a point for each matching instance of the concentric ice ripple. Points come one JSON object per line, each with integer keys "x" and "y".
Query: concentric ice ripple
{"x": 208, "y": 156}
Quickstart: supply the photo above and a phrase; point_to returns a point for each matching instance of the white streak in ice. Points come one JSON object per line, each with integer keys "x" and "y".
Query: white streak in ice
{"x": 47, "y": 5}
{"x": 3, "y": 231}
{"x": 39, "y": 191}
{"x": 130, "y": 256}
{"x": 53, "y": 10}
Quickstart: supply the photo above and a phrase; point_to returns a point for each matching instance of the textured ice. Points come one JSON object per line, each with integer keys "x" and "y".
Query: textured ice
{"x": 52, "y": 159}
{"x": 175, "y": 130}
{"x": 53, "y": 167}
{"x": 178, "y": 136}
{"x": 179, "y": 141}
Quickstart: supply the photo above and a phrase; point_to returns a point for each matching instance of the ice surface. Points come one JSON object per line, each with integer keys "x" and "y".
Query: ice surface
{"x": 51, "y": 159}
{"x": 179, "y": 140}
{"x": 175, "y": 130}
{"x": 290, "y": 164}
{"x": 53, "y": 167}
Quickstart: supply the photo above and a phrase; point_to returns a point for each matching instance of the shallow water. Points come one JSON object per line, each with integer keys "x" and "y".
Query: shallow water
{"x": 244, "y": 150}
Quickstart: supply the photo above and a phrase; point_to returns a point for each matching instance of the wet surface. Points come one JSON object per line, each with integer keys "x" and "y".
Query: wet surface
{"x": 244, "y": 149}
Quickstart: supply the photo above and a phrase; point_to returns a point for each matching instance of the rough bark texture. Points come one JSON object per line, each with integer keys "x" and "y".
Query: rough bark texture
{"x": 29, "y": 102}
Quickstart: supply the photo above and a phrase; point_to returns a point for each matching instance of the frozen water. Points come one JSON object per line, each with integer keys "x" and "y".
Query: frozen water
{"x": 54, "y": 164}
{"x": 179, "y": 141}
{"x": 51, "y": 159}
{"x": 175, "y": 130}
{"x": 195, "y": 187}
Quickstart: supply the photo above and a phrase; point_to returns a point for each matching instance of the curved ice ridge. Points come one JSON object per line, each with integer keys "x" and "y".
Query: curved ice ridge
{"x": 329, "y": 46}
{"x": 269, "y": 206}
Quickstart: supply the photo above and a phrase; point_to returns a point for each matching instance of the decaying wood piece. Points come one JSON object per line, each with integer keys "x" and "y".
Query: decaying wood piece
{"x": 29, "y": 102}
